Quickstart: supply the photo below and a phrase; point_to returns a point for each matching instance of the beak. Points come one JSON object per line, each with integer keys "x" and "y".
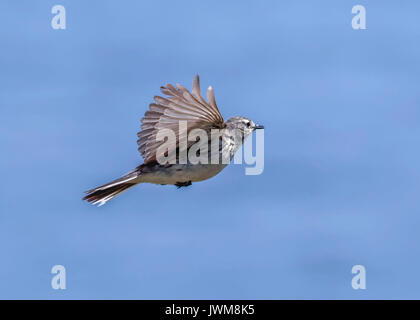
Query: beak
{"x": 257, "y": 126}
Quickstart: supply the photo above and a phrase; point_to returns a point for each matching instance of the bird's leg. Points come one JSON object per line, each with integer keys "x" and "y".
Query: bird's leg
{"x": 183, "y": 184}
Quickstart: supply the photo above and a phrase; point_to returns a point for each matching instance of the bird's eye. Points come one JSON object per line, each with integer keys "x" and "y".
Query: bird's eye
{"x": 248, "y": 124}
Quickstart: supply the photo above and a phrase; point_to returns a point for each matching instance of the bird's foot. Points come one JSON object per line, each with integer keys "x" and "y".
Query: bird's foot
{"x": 183, "y": 184}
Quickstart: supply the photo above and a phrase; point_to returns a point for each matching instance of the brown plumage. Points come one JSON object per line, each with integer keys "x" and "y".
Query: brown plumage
{"x": 180, "y": 105}
{"x": 179, "y": 109}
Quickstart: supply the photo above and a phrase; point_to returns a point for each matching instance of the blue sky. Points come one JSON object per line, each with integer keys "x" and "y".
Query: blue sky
{"x": 342, "y": 163}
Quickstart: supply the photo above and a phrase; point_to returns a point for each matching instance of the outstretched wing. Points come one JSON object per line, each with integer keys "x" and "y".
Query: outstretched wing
{"x": 180, "y": 105}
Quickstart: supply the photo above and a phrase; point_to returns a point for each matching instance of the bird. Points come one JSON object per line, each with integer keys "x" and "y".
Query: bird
{"x": 167, "y": 113}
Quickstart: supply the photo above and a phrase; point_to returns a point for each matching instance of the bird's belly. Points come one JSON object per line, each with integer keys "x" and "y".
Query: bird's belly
{"x": 182, "y": 173}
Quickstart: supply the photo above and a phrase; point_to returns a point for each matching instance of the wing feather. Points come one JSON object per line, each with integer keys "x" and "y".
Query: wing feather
{"x": 179, "y": 105}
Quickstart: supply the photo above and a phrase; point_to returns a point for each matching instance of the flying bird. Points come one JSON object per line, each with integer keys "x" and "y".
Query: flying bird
{"x": 190, "y": 108}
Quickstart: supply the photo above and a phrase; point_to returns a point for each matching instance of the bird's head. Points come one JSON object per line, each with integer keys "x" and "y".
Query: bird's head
{"x": 244, "y": 125}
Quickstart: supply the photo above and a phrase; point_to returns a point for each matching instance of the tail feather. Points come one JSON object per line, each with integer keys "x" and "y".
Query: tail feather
{"x": 106, "y": 192}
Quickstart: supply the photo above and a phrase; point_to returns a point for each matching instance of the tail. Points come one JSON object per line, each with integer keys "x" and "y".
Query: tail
{"x": 102, "y": 194}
